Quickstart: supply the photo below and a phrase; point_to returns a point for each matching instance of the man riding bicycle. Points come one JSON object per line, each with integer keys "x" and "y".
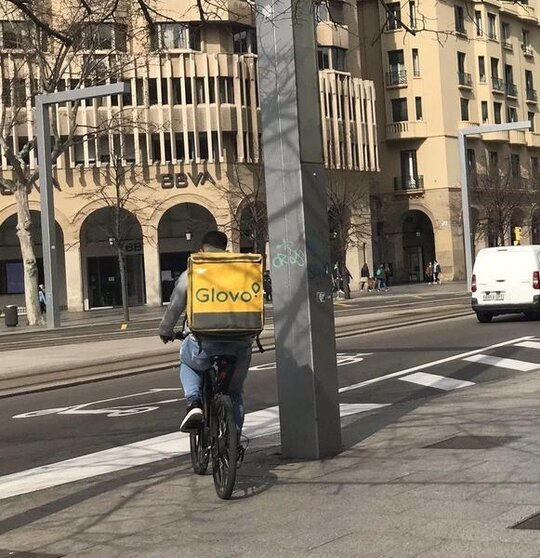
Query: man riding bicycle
{"x": 196, "y": 353}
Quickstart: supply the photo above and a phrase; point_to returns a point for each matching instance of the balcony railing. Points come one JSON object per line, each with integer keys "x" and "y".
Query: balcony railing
{"x": 527, "y": 50}
{"x": 396, "y": 77}
{"x": 408, "y": 182}
{"x": 460, "y": 29}
{"x": 465, "y": 79}
{"x": 497, "y": 84}
{"x": 532, "y": 95}
{"x": 511, "y": 90}
{"x": 507, "y": 44}
{"x": 492, "y": 35}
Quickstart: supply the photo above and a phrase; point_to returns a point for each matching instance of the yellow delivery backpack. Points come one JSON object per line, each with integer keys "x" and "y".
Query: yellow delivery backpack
{"x": 225, "y": 294}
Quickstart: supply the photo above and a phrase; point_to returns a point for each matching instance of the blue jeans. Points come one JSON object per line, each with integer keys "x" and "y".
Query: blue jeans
{"x": 193, "y": 363}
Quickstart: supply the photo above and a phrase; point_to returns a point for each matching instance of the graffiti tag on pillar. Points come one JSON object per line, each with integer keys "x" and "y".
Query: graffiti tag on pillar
{"x": 288, "y": 254}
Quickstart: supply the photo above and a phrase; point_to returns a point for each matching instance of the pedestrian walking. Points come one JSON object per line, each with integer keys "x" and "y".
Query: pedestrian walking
{"x": 267, "y": 286}
{"x": 436, "y": 272}
{"x": 429, "y": 273}
{"x": 42, "y": 298}
{"x": 380, "y": 276}
{"x": 389, "y": 273}
{"x": 364, "y": 279}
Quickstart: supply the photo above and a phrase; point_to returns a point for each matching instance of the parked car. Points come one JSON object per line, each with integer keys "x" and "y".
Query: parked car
{"x": 506, "y": 280}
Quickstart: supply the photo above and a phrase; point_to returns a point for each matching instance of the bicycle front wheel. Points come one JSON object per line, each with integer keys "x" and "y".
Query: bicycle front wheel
{"x": 224, "y": 446}
{"x": 198, "y": 445}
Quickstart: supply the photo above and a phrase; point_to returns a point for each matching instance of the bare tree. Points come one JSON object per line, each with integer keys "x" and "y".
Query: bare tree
{"x": 498, "y": 194}
{"x": 118, "y": 189}
{"x": 349, "y": 221}
{"x": 52, "y": 51}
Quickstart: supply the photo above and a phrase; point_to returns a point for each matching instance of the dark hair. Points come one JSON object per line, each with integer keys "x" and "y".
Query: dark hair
{"x": 216, "y": 239}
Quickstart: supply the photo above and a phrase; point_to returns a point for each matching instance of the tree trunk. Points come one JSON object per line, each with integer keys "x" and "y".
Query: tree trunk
{"x": 33, "y": 313}
{"x": 123, "y": 283}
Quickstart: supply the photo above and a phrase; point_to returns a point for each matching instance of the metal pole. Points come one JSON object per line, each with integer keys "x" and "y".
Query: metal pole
{"x": 298, "y": 227}
{"x": 466, "y": 208}
{"x": 48, "y": 223}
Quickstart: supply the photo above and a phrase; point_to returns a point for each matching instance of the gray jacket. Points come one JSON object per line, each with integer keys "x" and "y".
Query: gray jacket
{"x": 176, "y": 307}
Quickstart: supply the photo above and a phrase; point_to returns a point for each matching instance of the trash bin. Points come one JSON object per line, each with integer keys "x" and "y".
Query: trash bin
{"x": 10, "y": 315}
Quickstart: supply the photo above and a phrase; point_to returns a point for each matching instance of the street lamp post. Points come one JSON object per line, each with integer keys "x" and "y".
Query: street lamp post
{"x": 465, "y": 198}
{"x": 48, "y": 223}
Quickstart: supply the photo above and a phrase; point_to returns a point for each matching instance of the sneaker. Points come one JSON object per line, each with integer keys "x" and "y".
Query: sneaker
{"x": 193, "y": 419}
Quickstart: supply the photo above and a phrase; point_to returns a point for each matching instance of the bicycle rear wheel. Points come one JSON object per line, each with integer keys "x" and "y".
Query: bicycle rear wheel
{"x": 224, "y": 446}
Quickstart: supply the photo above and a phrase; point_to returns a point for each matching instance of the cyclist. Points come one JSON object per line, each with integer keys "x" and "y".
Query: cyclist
{"x": 196, "y": 353}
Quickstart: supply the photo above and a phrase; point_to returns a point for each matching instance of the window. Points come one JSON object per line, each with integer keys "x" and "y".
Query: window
{"x": 174, "y": 36}
{"x": 418, "y": 106}
{"x": 139, "y": 92}
{"x": 11, "y": 277}
{"x": 14, "y": 34}
{"x": 492, "y": 26}
{"x": 471, "y": 162}
{"x": 226, "y": 90}
{"x": 399, "y": 110}
{"x": 415, "y": 62}
{"x": 535, "y": 168}
{"x": 459, "y": 18}
{"x": 394, "y": 16}
{"x": 482, "y": 69}
{"x": 229, "y": 146}
{"x": 332, "y": 58}
{"x": 493, "y": 161}
{"x": 497, "y": 113}
{"x": 505, "y": 35}
{"x": 511, "y": 114}
{"x": 155, "y": 144}
{"x": 78, "y": 150}
{"x": 409, "y": 168}
{"x": 485, "y": 115}
{"x": 515, "y": 166}
{"x": 461, "y": 62}
{"x": 412, "y": 14}
{"x": 525, "y": 41}
{"x": 478, "y": 23}
{"x": 164, "y": 92}
{"x": 322, "y": 12}
{"x": 529, "y": 86}
{"x": 244, "y": 40}
{"x": 104, "y": 36}
{"x": 494, "y": 67}
{"x": 199, "y": 90}
{"x": 152, "y": 91}
{"x": 103, "y": 147}
{"x": 464, "y": 104}
{"x": 530, "y": 116}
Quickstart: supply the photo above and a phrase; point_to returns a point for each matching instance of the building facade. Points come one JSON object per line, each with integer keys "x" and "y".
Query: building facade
{"x": 468, "y": 63}
{"x": 187, "y": 146}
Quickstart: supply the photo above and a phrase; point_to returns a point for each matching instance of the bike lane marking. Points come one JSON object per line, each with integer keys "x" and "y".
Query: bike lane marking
{"x": 510, "y": 363}
{"x": 460, "y": 356}
{"x": 434, "y": 381}
{"x": 257, "y": 424}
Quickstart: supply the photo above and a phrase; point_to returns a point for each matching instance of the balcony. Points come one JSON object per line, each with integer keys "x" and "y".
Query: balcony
{"x": 527, "y": 50}
{"x": 497, "y": 84}
{"x": 532, "y": 95}
{"x": 461, "y": 31}
{"x": 464, "y": 79}
{"x": 517, "y": 137}
{"x": 409, "y": 183}
{"x": 492, "y": 35}
{"x": 395, "y": 78}
{"x": 533, "y": 139}
{"x": 406, "y": 130}
{"x": 507, "y": 45}
{"x": 332, "y": 35}
{"x": 511, "y": 90}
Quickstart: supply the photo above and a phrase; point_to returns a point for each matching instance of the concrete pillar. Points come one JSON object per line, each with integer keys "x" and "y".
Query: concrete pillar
{"x": 74, "y": 279}
{"x": 152, "y": 270}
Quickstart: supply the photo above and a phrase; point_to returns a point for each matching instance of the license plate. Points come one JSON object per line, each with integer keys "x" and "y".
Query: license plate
{"x": 493, "y": 296}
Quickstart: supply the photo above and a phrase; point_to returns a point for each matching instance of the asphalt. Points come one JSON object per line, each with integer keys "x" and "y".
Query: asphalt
{"x": 433, "y": 473}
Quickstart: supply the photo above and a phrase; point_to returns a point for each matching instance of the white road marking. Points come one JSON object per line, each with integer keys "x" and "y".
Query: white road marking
{"x": 176, "y": 444}
{"x": 343, "y": 359}
{"x": 510, "y": 363}
{"x": 434, "y": 381}
{"x": 430, "y": 364}
{"x": 529, "y": 344}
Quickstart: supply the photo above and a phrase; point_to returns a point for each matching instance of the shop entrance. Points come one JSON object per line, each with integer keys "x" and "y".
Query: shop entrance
{"x": 418, "y": 244}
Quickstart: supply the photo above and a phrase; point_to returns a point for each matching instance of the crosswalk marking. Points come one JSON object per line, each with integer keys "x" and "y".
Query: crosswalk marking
{"x": 529, "y": 344}
{"x": 257, "y": 424}
{"x": 510, "y": 363}
{"x": 434, "y": 381}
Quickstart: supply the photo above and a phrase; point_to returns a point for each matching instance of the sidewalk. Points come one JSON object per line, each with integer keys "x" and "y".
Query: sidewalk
{"x": 389, "y": 494}
{"x": 145, "y": 313}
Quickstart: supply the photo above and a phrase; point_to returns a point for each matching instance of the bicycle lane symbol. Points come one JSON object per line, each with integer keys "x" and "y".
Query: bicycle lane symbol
{"x": 113, "y": 411}
{"x": 343, "y": 359}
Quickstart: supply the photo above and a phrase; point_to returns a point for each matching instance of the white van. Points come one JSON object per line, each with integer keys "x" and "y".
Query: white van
{"x": 506, "y": 280}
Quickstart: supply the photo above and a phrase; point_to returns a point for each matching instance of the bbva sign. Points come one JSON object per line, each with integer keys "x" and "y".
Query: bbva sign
{"x": 183, "y": 180}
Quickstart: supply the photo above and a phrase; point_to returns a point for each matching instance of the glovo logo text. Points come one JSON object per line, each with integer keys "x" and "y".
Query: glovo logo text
{"x": 214, "y": 295}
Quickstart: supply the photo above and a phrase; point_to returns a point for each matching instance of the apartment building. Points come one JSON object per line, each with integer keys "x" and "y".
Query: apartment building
{"x": 439, "y": 66}
{"x": 191, "y": 149}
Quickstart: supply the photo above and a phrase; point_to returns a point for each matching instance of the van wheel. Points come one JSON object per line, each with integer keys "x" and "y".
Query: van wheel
{"x": 532, "y": 315}
{"x": 484, "y": 317}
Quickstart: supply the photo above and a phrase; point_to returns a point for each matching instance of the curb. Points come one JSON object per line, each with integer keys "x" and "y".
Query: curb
{"x": 117, "y": 369}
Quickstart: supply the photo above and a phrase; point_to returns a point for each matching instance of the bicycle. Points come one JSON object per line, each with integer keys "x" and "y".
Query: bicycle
{"x": 217, "y": 438}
